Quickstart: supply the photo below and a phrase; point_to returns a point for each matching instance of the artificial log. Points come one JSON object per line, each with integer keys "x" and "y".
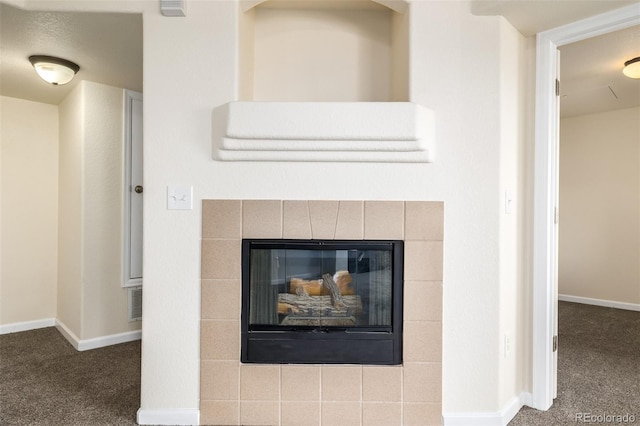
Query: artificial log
{"x": 317, "y": 288}
{"x": 334, "y": 291}
{"x": 318, "y": 306}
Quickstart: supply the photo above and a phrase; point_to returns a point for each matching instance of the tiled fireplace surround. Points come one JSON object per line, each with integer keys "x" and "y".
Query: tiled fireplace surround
{"x": 232, "y": 393}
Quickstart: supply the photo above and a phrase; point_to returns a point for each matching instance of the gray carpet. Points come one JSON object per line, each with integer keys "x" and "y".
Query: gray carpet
{"x": 45, "y": 381}
{"x": 598, "y": 368}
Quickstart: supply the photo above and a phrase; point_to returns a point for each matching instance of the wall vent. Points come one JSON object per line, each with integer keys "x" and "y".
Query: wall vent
{"x": 135, "y": 303}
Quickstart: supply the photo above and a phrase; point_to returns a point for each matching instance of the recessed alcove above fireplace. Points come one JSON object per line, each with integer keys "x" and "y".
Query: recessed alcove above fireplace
{"x": 324, "y": 51}
{"x": 336, "y": 69}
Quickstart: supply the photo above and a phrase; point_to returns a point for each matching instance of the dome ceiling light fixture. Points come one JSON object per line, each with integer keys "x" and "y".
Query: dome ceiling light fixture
{"x": 51, "y": 69}
{"x": 632, "y": 68}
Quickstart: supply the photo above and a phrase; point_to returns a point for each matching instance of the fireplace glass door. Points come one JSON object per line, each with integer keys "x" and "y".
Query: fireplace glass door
{"x": 328, "y": 287}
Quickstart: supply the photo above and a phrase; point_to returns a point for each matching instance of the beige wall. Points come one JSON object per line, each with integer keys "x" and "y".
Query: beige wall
{"x": 90, "y": 298}
{"x": 322, "y": 55}
{"x": 70, "y": 212}
{"x": 29, "y": 210}
{"x": 104, "y": 300}
{"x": 599, "y": 253}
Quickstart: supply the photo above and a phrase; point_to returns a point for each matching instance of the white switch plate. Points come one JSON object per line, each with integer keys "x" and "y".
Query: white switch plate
{"x": 179, "y": 197}
{"x": 509, "y": 201}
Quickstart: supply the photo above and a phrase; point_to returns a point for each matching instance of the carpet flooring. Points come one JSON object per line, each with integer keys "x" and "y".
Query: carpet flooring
{"x": 44, "y": 381}
{"x": 598, "y": 369}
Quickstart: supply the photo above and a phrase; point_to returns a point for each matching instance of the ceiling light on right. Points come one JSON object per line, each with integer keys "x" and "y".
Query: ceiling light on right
{"x": 632, "y": 68}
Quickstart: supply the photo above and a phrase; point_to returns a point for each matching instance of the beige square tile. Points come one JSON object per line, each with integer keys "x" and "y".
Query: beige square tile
{"x": 221, "y": 259}
{"x": 300, "y": 383}
{"x": 381, "y": 383}
{"x": 301, "y": 413}
{"x": 381, "y": 413}
{"x": 220, "y": 340}
{"x": 427, "y": 414}
{"x": 424, "y": 220}
{"x": 422, "y": 341}
{"x": 260, "y": 382}
{"x": 422, "y": 301}
{"x": 422, "y": 382}
{"x": 265, "y": 413}
{"x": 341, "y": 383}
{"x": 350, "y": 225}
{"x": 296, "y": 222}
{"x": 220, "y": 413}
{"x": 222, "y": 219}
{"x": 262, "y": 219}
{"x": 423, "y": 260}
{"x": 324, "y": 215}
{"x": 220, "y": 299}
{"x": 384, "y": 220}
{"x": 219, "y": 380}
{"x": 341, "y": 413}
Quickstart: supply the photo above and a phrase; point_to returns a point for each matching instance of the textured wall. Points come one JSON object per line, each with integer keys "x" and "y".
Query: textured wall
{"x": 599, "y": 235}
{"x": 29, "y": 211}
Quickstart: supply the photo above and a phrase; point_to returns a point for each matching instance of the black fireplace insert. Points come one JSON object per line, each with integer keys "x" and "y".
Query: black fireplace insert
{"x": 322, "y": 301}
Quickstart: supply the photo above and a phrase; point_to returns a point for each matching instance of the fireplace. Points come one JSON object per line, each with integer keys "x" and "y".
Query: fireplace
{"x": 249, "y": 393}
{"x": 322, "y": 301}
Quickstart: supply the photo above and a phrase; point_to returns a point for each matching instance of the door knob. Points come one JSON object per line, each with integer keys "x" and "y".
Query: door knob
{"x": 138, "y": 189}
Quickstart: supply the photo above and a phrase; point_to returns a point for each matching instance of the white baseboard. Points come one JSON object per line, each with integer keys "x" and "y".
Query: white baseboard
{"x": 498, "y": 418}
{"x": 599, "y": 302}
{"x": 17, "y": 327}
{"x": 169, "y": 417}
{"x": 97, "y": 342}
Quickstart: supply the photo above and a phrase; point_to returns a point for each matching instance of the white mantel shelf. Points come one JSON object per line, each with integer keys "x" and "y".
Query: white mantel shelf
{"x": 394, "y": 132}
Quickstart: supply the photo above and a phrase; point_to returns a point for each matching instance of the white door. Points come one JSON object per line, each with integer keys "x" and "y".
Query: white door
{"x": 556, "y": 218}
{"x": 134, "y": 190}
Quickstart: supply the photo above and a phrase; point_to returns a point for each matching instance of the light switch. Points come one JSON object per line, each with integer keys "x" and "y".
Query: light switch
{"x": 509, "y": 202}
{"x": 179, "y": 197}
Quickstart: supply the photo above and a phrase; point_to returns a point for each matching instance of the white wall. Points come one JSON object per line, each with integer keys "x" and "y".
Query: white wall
{"x": 69, "y": 297}
{"x": 104, "y": 301}
{"x": 29, "y": 210}
{"x": 599, "y": 236}
{"x": 90, "y": 298}
{"x": 200, "y": 53}
{"x": 445, "y": 39}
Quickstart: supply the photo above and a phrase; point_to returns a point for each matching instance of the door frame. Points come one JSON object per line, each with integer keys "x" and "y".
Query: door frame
{"x": 545, "y": 267}
{"x": 128, "y": 98}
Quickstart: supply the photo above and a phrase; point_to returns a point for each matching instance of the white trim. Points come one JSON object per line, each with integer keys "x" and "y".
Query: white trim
{"x": 17, "y": 327}
{"x": 185, "y": 416}
{"x": 97, "y": 342}
{"x": 112, "y": 339}
{"x": 498, "y": 418}
{"x": 545, "y": 184}
{"x": 68, "y": 334}
{"x": 600, "y": 302}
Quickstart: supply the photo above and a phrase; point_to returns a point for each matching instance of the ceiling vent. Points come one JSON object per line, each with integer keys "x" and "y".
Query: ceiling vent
{"x": 173, "y": 7}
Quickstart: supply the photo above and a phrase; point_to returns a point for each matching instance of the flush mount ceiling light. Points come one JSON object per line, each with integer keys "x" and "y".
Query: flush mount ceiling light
{"x": 632, "y": 68}
{"x": 56, "y": 71}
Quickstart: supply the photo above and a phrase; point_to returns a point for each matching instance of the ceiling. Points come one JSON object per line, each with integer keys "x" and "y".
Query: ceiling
{"x": 108, "y": 48}
{"x": 591, "y": 78}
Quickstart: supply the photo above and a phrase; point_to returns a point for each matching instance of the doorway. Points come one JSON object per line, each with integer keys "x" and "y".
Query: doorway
{"x": 545, "y": 248}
